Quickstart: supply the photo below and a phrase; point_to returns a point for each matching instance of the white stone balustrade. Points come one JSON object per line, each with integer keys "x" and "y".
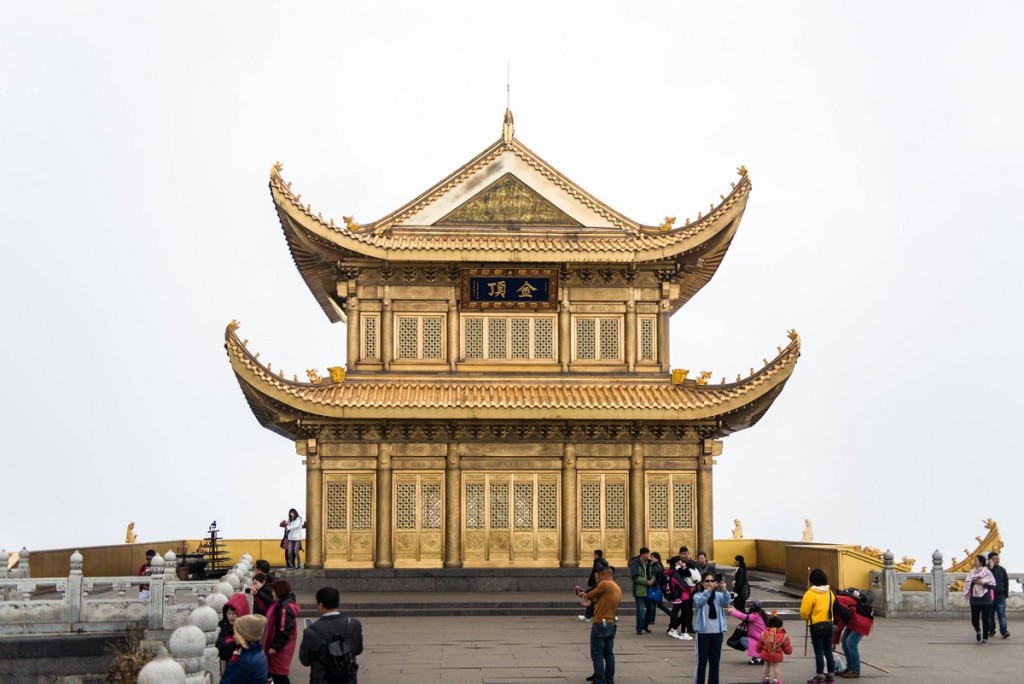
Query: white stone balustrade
{"x": 897, "y": 594}
{"x": 101, "y": 604}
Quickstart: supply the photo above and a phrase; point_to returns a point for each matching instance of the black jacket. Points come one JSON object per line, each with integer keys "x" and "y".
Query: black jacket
{"x": 1002, "y": 581}
{"x": 316, "y": 637}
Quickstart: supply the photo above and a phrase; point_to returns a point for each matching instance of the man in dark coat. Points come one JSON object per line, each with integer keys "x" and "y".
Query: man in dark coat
{"x": 318, "y": 636}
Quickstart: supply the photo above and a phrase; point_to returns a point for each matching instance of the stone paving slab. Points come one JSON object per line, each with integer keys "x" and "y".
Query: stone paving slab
{"x": 552, "y": 650}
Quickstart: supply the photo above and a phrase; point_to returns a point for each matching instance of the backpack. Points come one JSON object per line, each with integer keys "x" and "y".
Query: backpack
{"x": 842, "y": 612}
{"x": 864, "y": 601}
{"x": 341, "y": 662}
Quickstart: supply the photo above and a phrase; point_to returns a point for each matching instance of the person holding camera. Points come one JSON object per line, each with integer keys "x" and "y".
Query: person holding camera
{"x": 711, "y": 603}
{"x": 605, "y": 596}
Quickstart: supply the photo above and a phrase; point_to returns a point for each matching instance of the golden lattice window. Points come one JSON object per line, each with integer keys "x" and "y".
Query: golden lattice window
{"x": 520, "y": 338}
{"x": 585, "y": 338}
{"x": 405, "y": 506}
{"x": 371, "y": 336}
{"x": 547, "y": 505}
{"x": 647, "y": 339}
{"x": 499, "y": 504}
{"x": 474, "y": 338}
{"x": 475, "y": 512}
{"x": 657, "y": 505}
{"x": 362, "y": 505}
{"x": 682, "y": 505}
{"x": 337, "y": 505}
{"x": 615, "y": 505}
{"x": 430, "y": 506}
{"x": 543, "y": 338}
{"x": 408, "y": 337}
{"x": 610, "y": 338}
{"x": 496, "y": 342}
{"x": 420, "y": 337}
{"x": 523, "y": 505}
{"x": 590, "y": 505}
{"x": 508, "y": 337}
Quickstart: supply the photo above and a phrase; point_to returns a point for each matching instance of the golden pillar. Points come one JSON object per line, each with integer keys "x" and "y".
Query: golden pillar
{"x": 453, "y": 508}
{"x": 353, "y": 324}
{"x": 663, "y": 321}
{"x": 570, "y": 536}
{"x": 564, "y": 354}
{"x": 314, "y": 507}
{"x": 637, "y": 530}
{"x": 453, "y": 333}
{"x": 387, "y": 331}
{"x": 384, "y": 558}
{"x": 705, "y": 494}
{"x": 630, "y": 333}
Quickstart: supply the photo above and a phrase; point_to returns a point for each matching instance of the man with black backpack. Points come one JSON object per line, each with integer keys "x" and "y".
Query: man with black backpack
{"x": 330, "y": 645}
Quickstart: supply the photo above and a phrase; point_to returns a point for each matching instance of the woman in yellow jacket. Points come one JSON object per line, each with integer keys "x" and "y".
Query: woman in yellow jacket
{"x": 816, "y": 610}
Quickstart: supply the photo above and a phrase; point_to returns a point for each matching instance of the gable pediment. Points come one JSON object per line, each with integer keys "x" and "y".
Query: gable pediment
{"x": 508, "y": 201}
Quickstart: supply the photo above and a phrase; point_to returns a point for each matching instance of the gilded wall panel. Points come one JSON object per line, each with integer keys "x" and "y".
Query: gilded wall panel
{"x": 602, "y": 464}
{"x": 598, "y": 308}
{"x": 645, "y": 308}
{"x": 684, "y": 464}
{"x": 512, "y": 451}
{"x": 419, "y": 449}
{"x": 347, "y": 450}
{"x": 599, "y": 294}
{"x": 428, "y": 295}
{"x": 672, "y": 450}
{"x": 369, "y": 298}
{"x": 348, "y": 465}
{"x": 591, "y": 449}
{"x": 649, "y": 293}
{"x": 418, "y": 464}
{"x": 512, "y": 464}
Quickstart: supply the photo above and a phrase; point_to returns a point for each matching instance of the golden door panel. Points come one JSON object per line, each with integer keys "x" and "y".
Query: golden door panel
{"x": 510, "y": 518}
{"x": 348, "y": 518}
{"x": 671, "y": 512}
{"x": 603, "y": 515}
{"x": 418, "y": 514}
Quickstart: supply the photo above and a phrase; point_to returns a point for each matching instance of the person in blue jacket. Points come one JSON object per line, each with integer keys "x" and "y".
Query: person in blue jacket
{"x": 711, "y": 603}
{"x": 248, "y": 665}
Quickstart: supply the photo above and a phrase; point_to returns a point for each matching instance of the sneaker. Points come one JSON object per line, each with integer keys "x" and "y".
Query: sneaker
{"x": 815, "y": 679}
{"x": 647, "y": 631}
{"x": 984, "y": 642}
{"x": 591, "y": 678}
{"x": 765, "y": 680}
{"x": 685, "y": 637}
{"x": 582, "y": 617}
{"x": 1006, "y": 635}
{"x": 830, "y": 677}
{"x": 673, "y": 633}
{"x": 977, "y": 636}
{"x": 850, "y": 674}
{"x": 755, "y": 661}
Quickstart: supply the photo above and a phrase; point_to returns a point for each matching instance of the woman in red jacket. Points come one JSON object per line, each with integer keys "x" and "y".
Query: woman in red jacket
{"x": 280, "y": 635}
{"x": 858, "y": 628}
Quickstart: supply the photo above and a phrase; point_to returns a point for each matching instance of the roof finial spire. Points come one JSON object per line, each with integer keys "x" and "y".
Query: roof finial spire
{"x": 508, "y": 130}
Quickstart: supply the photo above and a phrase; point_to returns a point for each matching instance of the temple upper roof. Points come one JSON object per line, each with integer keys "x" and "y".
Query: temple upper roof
{"x": 508, "y": 206}
{"x": 281, "y": 405}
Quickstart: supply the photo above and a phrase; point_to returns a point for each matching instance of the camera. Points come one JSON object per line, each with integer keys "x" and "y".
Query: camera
{"x": 719, "y": 577}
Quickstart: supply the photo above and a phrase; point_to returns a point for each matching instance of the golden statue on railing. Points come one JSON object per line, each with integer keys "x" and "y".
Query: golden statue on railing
{"x": 737, "y": 529}
{"x": 129, "y": 535}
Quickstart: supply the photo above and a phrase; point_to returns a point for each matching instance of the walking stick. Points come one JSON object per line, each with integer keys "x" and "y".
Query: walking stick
{"x": 807, "y": 636}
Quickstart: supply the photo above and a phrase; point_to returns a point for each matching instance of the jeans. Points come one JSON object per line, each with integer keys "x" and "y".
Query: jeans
{"x": 823, "y": 654}
{"x": 709, "y": 653}
{"x": 644, "y": 612}
{"x": 291, "y": 553}
{"x": 998, "y": 610}
{"x": 602, "y": 653}
{"x": 851, "y": 643}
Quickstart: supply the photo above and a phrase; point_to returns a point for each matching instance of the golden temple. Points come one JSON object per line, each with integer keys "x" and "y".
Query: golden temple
{"x": 507, "y": 397}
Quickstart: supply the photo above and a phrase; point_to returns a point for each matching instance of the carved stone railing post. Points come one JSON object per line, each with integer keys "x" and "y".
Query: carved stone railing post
{"x": 939, "y": 587}
{"x": 156, "y": 593}
{"x": 26, "y": 572}
{"x": 5, "y": 558}
{"x": 74, "y": 593}
{"x": 889, "y": 584}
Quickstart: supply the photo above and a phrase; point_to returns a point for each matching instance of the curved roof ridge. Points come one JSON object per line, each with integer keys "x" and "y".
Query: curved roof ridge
{"x": 476, "y": 394}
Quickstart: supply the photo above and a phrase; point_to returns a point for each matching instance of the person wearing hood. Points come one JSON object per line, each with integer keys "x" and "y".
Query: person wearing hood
{"x": 816, "y": 611}
{"x": 280, "y": 636}
{"x": 236, "y": 607}
{"x": 757, "y": 621}
{"x": 247, "y": 664}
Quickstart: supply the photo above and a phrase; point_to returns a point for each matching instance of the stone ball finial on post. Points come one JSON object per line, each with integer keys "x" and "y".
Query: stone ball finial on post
{"x": 887, "y": 559}
{"x": 217, "y": 601}
{"x": 170, "y": 564}
{"x": 23, "y": 566}
{"x": 187, "y": 644}
{"x": 225, "y": 588}
{"x": 76, "y": 563}
{"x": 5, "y": 558}
{"x": 162, "y": 669}
{"x": 937, "y": 560}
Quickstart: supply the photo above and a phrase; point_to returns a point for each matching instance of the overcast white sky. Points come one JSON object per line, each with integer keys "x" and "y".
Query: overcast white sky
{"x": 883, "y": 140}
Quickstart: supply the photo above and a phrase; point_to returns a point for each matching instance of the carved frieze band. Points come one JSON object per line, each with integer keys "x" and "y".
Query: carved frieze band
{"x": 431, "y": 274}
{"x": 435, "y": 433}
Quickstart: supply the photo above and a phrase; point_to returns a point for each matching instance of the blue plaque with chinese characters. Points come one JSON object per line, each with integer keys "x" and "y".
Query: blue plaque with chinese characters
{"x": 510, "y": 288}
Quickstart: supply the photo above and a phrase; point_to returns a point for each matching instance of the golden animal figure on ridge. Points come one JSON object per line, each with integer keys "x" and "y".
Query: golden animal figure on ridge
{"x": 737, "y": 529}
{"x": 350, "y": 223}
{"x": 129, "y": 535}
{"x": 667, "y": 225}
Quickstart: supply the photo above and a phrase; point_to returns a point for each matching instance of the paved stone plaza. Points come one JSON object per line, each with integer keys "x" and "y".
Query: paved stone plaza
{"x": 479, "y": 650}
